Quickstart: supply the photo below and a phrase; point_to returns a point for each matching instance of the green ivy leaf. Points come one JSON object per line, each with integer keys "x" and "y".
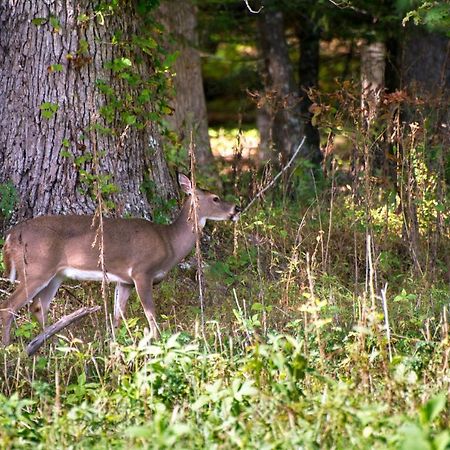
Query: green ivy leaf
{"x": 38, "y": 21}
{"x": 48, "y": 109}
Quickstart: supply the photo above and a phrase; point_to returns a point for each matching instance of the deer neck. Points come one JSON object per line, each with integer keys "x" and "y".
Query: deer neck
{"x": 182, "y": 232}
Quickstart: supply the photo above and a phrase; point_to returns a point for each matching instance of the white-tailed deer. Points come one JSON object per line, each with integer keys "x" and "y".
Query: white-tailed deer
{"x": 41, "y": 252}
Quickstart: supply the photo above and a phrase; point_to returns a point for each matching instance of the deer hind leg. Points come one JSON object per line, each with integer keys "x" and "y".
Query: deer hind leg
{"x": 121, "y": 295}
{"x": 42, "y": 300}
{"x": 144, "y": 289}
{"x": 27, "y": 290}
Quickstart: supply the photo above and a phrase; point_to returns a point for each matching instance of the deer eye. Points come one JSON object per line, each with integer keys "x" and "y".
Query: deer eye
{"x": 216, "y": 199}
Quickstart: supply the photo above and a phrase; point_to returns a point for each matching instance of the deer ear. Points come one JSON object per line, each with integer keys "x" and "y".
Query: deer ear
{"x": 185, "y": 183}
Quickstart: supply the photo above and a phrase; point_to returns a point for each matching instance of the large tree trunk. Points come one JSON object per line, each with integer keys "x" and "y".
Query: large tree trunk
{"x": 426, "y": 62}
{"x": 189, "y": 104}
{"x": 69, "y": 117}
{"x": 282, "y": 101}
{"x": 425, "y": 76}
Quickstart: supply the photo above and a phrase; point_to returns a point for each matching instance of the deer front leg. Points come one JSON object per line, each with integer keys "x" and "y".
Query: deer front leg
{"x": 121, "y": 295}
{"x": 41, "y": 302}
{"x": 26, "y": 291}
{"x": 144, "y": 287}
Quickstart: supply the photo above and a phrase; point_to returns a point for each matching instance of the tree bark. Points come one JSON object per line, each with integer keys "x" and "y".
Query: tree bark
{"x": 189, "y": 104}
{"x": 281, "y": 101}
{"x": 372, "y": 79}
{"x": 426, "y": 62}
{"x": 308, "y": 70}
{"x": 58, "y": 136}
{"x": 425, "y": 75}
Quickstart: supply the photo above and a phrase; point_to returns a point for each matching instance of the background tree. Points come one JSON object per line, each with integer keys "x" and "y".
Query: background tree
{"x": 308, "y": 31}
{"x": 189, "y": 106}
{"x": 82, "y": 90}
{"x": 282, "y": 98}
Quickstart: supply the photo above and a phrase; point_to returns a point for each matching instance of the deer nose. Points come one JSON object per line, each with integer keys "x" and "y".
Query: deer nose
{"x": 237, "y": 209}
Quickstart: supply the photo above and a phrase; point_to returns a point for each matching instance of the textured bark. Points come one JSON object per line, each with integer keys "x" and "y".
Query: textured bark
{"x": 189, "y": 104}
{"x": 281, "y": 99}
{"x": 373, "y": 57}
{"x": 30, "y": 145}
{"x": 426, "y": 62}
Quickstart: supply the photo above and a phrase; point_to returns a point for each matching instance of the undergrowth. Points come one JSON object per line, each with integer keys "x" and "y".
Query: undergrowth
{"x": 325, "y": 319}
{"x": 295, "y": 352}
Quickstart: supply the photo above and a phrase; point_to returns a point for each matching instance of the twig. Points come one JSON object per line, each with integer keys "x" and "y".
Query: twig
{"x": 64, "y": 322}
{"x": 252, "y": 10}
{"x": 386, "y": 319}
{"x": 198, "y": 233}
{"x": 278, "y": 175}
{"x": 9, "y": 281}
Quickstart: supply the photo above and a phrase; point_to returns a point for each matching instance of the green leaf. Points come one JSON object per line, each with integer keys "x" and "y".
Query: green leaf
{"x": 414, "y": 438}
{"x": 431, "y": 410}
{"x": 82, "y": 18}
{"x": 48, "y": 109}
{"x": 257, "y": 307}
{"x": 143, "y": 432}
{"x": 171, "y": 59}
{"x": 56, "y": 68}
{"x": 38, "y": 21}
{"x": 65, "y": 153}
{"x": 129, "y": 119}
{"x": 442, "y": 440}
{"x": 54, "y": 22}
{"x": 83, "y": 47}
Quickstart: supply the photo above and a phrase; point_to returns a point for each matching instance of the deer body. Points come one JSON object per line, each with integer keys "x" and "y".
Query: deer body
{"x": 43, "y": 251}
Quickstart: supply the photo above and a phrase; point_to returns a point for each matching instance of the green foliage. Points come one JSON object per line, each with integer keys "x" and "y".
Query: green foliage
{"x": 8, "y": 198}
{"x": 180, "y": 393}
{"x": 26, "y": 330}
{"x": 295, "y": 351}
{"x": 420, "y": 434}
{"x": 162, "y": 209}
{"x": 48, "y": 109}
{"x": 435, "y": 15}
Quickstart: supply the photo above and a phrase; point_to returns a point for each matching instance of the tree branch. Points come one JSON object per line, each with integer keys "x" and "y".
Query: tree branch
{"x": 278, "y": 175}
{"x": 252, "y": 10}
{"x": 64, "y": 322}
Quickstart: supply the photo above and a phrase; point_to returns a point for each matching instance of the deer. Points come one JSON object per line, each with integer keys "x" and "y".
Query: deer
{"x": 44, "y": 251}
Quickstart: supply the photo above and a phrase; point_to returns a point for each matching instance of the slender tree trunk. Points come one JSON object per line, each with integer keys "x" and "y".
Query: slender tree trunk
{"x": 373, "y": 56}
{"x": 189, "y": 105}
{"x": 282, "y": 102}
{"x": 67, "y": 115}
{"x": 372, "y": 79}
{"x": 308, "y": 70}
